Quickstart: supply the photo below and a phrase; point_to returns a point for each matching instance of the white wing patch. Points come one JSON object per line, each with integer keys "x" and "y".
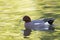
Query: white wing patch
{"x": 37, "y": 23}
{"x": 46, "y": 23}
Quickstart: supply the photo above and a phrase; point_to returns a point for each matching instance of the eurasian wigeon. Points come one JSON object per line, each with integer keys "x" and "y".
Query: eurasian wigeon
{"x": 40, "y": 24}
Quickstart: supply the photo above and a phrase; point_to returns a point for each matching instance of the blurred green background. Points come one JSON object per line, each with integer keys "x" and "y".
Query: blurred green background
{"x": 12, "y": 12}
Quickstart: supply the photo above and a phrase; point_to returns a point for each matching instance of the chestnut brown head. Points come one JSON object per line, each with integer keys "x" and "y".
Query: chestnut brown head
{"x": 26, "y": 19}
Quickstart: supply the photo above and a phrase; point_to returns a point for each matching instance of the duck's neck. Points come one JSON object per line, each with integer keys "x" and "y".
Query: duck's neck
{"x": 27, "y": 21}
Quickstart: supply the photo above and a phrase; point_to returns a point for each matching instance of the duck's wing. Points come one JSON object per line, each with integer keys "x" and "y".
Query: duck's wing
{"x": 47, "y": 19}
{"x": 38, "y": 21}
{"x": 36, "y": 25}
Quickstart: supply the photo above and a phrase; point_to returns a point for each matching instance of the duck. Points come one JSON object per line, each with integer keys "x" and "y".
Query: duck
{"x": 43, "y": 24}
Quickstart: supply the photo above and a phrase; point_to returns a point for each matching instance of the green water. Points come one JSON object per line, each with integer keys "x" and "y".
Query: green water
{"x": 12, "y": 12}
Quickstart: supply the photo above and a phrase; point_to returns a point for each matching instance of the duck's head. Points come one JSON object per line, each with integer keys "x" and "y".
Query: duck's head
{"x": 26, "y": 19}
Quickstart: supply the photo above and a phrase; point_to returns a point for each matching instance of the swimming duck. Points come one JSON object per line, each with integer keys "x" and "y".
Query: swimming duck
{"x": 40, "y": 24}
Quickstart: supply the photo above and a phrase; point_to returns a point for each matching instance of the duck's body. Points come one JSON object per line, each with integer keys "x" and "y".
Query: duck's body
{"x": 37, "y": 25}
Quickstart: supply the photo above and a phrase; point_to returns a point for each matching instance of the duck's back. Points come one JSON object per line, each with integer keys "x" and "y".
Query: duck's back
{"x": 36, "y": 25}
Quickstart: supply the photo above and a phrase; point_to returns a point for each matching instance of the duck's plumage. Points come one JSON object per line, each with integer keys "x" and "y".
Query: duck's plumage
{"x": 40, "y": 24}
{"x": 37, "y": 25}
